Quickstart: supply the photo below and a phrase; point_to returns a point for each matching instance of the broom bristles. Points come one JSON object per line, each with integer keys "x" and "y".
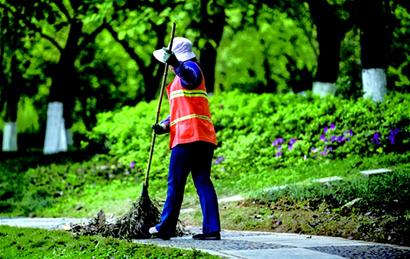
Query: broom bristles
{"x": 132, "y": 225}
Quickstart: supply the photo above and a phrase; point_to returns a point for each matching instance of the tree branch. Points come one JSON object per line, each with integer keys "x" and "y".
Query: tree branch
{"x": 63, "y": 9}
{"x": 91, "y": 37}
{"x": 51, "y": 40}
{"x": 130, "y": 50}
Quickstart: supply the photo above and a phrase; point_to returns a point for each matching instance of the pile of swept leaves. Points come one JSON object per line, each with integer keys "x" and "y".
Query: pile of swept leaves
{"x": 133, "y": 225}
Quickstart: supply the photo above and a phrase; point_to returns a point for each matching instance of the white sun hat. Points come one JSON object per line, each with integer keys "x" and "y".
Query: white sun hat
{"x": 182, "y": 48}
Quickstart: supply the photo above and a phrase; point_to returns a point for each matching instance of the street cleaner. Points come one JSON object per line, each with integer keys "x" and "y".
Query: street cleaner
{"x": 192, "y": 142}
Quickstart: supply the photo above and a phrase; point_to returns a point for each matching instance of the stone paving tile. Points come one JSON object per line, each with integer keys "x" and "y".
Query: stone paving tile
{"x": 374, "y": 252}
{"x": 281, "y": 253}
{"x": 218, "y": 245}
{"x": 46, "y": 223}
{"x": 302, "y": 240}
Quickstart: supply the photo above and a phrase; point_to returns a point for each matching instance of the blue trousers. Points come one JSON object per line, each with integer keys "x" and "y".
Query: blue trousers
{"x": 196, "y": 158}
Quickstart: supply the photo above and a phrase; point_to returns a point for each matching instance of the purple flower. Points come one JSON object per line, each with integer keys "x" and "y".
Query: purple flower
{"x": 333, "y": 138}
{"x": 278, "y": 154}
{"x": 340, "y": 139}
{"x": 327, "y": 128}
{"x": 323, "y": 138}
{"x": 376, "y": 138}
{"x": 277, "y": 142}
{"x": 219, "y": 160}
{"x": 313, "y": 150}
{"x": 291, "y": 142}
{"x": 326, "y": 151}
{"x": 392, "y": 135}
{"x": 132, "y": 164}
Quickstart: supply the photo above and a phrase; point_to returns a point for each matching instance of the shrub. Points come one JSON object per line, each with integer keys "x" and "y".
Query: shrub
{"x": 127, "y": 134}
{"x": 258, "y": 133}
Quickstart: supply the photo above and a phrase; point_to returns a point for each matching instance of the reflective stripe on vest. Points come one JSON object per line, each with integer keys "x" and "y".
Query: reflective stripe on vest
{"x": 188, "y": 93}
{"x": 198, "y": 116}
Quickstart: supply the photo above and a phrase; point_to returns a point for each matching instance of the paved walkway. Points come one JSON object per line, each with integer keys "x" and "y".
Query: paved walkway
{"x": 246, "y": 244}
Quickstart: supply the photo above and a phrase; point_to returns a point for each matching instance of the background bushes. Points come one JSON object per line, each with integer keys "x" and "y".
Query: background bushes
{"x": 260, "y": 132}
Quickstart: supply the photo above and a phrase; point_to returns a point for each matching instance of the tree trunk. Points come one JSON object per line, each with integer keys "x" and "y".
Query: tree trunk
{"x": 62, "y": 94}
{"x": 324, "y": 88}
{"x": 10, "y": 136}
{"x": 56, "y": 139}
{"x": 374, "y": 41}
{"x": 271, "y": 85}
{"x": 12, "y": 96}
{"x": 374, "y": 84}
{"x": 151, "y": 87}
{"x": 208, "y": 61}
{"x": 330, "y": 32}
{"x": 211, "y": 29}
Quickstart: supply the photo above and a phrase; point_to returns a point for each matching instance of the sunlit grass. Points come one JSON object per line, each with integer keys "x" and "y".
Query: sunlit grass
{"x": 38, "y": 243}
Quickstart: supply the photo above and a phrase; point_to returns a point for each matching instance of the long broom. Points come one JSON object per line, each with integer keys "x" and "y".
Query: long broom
{"x": 143, "y": 213}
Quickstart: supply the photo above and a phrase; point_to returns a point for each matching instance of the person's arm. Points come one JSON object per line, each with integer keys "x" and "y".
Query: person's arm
{"x": 189, "y": 73}
{"x": 165, "y": 122}
{"x": 163, "y": 126}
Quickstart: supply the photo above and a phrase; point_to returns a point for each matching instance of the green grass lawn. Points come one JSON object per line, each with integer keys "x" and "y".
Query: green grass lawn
{"x": 68, "y": 188}
{"x": 38, "y": 243}
{"x": 54, "y": 192}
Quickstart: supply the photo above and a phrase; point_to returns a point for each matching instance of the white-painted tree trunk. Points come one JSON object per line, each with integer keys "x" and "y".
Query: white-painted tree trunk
{"x": 56, "y": 139}
{"x": 374, "y": 84}
{"x": 10, "y": 137}
{"x": 324, "y": 88}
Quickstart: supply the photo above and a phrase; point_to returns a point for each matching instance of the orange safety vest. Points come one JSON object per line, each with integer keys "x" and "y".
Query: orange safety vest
{"x": 190, "y": 118}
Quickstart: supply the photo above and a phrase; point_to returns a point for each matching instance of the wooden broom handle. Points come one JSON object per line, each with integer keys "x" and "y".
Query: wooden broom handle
{"x": 161, "y": 94}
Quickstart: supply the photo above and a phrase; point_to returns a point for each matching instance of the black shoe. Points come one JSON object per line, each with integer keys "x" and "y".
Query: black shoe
{"x": 162, "y": 236}
{"x": 155, "y": 234}
{"x": 208, "y": 236}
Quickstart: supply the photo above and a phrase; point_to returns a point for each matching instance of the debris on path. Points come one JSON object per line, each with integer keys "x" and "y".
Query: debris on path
{"x": 133, "y": 225}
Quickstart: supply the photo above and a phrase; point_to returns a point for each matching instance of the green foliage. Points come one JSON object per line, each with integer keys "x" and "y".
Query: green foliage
{"x": 248, "y": 124}
{"x": 38, "y": 243}
{"x": 27, "y": 117}
{"x": 127, "y": 134}
{"x": 243, "y": 53}
{"x": 398, "y": 71}
{"x": 266, "y": 47}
